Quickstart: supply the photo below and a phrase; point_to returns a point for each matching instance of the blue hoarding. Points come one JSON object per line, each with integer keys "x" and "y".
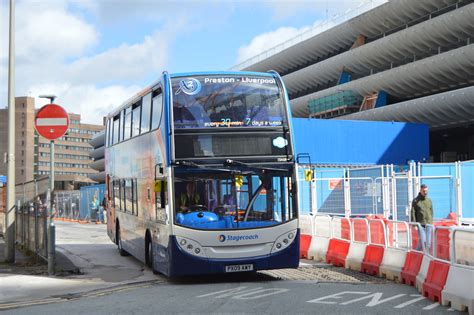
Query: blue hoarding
{"x": 360, "y": 142}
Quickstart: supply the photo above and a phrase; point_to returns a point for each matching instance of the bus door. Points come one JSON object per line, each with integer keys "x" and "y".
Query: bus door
{"x": 160, "y": 189}
{"x": 110, "y": 198}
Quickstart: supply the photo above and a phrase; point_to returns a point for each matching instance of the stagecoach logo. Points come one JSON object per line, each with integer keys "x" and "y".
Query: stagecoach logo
{"x": 189, "y": 86}
{"x": 222, "y": 238}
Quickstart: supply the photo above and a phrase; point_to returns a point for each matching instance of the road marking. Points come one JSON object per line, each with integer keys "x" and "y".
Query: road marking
{"x": 228, "y": 292}
{"x": 419, "y": 298}
{"x": 6, "y": 306}
{"x": 245, "y": 296}
{"x": 431, "y": 306}
{"x": 334, "y": 296}
{"x": 242, "y": 294}
{"x": 375, "y": 299}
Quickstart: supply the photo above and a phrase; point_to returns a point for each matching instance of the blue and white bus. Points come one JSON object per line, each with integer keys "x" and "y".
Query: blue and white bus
{"x": 201, "y": 175}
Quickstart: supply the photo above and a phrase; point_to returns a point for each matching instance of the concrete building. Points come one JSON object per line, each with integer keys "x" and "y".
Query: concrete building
{"x": 98, "y": 154}
{"x": 403, "y": 60}
{"x": 24, "y": 140}
{"x": 33, "y": 153}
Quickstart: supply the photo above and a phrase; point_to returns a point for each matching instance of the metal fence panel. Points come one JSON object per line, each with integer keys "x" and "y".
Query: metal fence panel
{"x": 440, "y": 179}
{"x": 363, "y": 193}
{"x": 467, "y": 189}
{"x": 330, "y": 195}
{"x": 402, "y": 198}
{"x": 32, "y": 216}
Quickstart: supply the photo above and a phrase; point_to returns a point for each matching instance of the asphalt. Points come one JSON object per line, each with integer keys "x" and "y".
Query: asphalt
{"x": 92, "y": 278}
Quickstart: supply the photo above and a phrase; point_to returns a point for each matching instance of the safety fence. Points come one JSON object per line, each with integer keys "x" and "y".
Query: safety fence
{"x": 388, "y": 190}
{"x": 437, "y": 259}
{"x": 32, "y": 199}
{"x": 3, "y": 206}
{"x": 67, "y": 203}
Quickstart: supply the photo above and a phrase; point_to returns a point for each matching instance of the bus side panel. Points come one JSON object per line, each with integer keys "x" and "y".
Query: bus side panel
{"x": 181, "y": 263}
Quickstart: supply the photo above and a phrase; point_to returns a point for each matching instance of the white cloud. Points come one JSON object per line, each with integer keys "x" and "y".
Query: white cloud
{"x": 125, "y": 62}
{"x": 52, "y": 34}
{"x": 266, "y": 41}
{"x": 53, "y": 55}
{"x": 91, "y": 102}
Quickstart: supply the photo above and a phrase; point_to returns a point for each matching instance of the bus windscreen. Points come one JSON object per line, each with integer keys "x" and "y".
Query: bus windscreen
{"x": 227, "y": 101}
{"x": 217, "y": 201}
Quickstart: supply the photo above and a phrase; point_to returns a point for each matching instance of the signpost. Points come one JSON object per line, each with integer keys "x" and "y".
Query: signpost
{"x": 51, "y": 122}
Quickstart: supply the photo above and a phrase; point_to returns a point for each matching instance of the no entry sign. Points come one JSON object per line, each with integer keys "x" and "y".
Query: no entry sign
{"x": 51, "y": 121}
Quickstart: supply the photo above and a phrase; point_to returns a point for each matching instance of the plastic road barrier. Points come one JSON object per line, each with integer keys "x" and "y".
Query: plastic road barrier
{"x": 339, "y": 243}
{"x": 375, "y": 250}
{"x": 420, "y": 278}
{"x": 459, "y": 289}
{"x": 414, "y": 256}
{"x": 411, "y": 268}
{"x": 435, "y": 280}
{"x": 320, "y": 240}
{"x": 360, "y": 239}
{"x": 306, "y": 227}
{"x": 395, "y": 254}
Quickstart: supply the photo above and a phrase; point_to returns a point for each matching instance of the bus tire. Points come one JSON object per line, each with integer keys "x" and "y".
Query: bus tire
{"x": 149, "y": 258}
{"x": 122, "y": 251}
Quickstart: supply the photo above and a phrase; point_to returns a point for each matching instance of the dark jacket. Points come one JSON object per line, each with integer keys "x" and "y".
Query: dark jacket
{"x": 422, "y": 210}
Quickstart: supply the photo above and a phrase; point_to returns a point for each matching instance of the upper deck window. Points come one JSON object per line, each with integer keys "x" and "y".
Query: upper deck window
{"x": 227, "y": 101}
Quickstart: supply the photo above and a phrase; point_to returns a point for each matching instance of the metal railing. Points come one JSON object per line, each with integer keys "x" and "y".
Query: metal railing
{"x": 467, "y": 255}
{"x": 377, "y": 230}
{"x": 341, "y": 228}
{"x": 357, "y": 237}
{"x": 398, "y": 235}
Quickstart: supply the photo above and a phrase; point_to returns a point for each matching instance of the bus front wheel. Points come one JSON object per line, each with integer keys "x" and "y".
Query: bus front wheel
{"x": 149, "y": 253}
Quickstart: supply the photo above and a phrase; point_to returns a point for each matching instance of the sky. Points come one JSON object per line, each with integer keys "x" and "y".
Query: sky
{"x": 95, "y": 54}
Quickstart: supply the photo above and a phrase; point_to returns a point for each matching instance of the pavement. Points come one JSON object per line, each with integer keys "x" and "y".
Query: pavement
{"x": 83, "y": 264}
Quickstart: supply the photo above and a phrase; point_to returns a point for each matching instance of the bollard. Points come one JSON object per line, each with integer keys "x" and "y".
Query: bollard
{"x": 51, "y": 247}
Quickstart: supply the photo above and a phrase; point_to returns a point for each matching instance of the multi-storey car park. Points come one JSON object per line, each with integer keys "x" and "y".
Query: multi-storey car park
{"x": 409, "y": 61}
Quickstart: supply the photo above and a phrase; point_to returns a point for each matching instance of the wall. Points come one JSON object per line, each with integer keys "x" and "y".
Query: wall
{"x": 360, "y": 142}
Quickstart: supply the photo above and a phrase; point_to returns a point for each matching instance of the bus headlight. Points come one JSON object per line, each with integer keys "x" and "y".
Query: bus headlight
{"x": 190, "y": 246}
{"x": 283, "y": 241}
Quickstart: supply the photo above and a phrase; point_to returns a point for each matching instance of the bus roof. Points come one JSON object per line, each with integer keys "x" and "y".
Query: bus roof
{"x": 189, "y": 74}
{"x": 148, "y": 89}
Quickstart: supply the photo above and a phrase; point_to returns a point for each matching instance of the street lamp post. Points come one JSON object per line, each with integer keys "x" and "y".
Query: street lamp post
{"x": 10, "y": 213}
{"x": 51, "y": 226}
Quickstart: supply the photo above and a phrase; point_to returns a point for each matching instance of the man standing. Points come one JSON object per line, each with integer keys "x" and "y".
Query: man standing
{"x": 422, "y": 212}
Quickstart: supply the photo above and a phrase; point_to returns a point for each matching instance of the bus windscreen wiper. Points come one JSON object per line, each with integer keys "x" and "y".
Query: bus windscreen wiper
{"x": 207, "y": 168}
{"x": 230, "y": 162}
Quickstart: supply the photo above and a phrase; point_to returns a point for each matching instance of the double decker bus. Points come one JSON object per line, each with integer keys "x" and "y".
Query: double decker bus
{"x": 200, "y": 175}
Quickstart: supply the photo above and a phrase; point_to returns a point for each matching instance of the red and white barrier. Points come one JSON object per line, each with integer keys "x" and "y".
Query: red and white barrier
{"x": 414, "y": 256}
{"x": 306, "y": 230}
{"x": 340, "y": 242}
{"x": 360, "y": 239}
{"x": 427, "y": 257}
{"x": 395, "y": 254}
{"x": 439, "y": 267}
{"x": 375, "y": 250}
{"x": 459, "y": 289}
{"x": 321, "y": 236}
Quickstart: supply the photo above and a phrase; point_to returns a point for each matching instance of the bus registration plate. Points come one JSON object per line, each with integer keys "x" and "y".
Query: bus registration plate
{"x": 239, "y": 268}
